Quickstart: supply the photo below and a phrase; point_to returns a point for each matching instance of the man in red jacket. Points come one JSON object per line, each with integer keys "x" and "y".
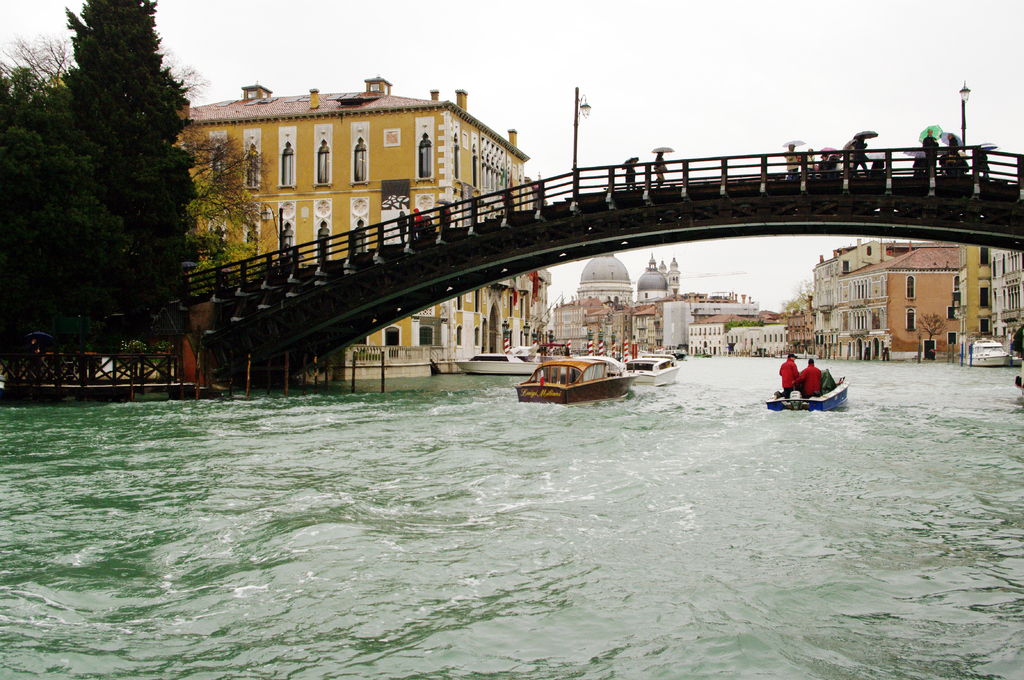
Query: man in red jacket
{"x": 789, "y": 373}
{"x": 809, "y": 381}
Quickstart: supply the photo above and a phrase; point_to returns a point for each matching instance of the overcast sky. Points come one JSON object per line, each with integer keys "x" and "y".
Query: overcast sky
{"x": 705, "y": 78}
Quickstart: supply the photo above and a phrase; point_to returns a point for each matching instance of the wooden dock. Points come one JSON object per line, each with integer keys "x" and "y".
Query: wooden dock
{"x": 97, "y": 377}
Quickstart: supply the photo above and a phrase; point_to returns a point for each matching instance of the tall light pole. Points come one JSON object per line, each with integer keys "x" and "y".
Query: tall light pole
{"x": 964, "y": 94}
{"x": 581, "y": 107}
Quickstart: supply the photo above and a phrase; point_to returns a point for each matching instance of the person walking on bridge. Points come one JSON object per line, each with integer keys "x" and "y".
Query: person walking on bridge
{"x": 789, "y": 373}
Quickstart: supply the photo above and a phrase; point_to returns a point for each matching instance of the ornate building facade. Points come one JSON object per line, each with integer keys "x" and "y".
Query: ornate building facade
{"x": 343, "y": 160}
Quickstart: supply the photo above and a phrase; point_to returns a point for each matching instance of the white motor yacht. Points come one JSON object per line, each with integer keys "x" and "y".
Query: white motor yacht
{"x": 653, "y": 369}
{"x": 988, "y": 353}
{"x": 518, "y": 361}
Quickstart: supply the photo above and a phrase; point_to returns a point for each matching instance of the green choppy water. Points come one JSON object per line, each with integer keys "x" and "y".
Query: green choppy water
{"x": 443, "y": 530}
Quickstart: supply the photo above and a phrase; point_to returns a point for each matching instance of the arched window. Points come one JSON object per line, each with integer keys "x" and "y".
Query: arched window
{"x": 911, "y": 319}
{"x": 455, "y": 155}
{"x": 424, "y": 165}
{"x": 475, "y": 161}
{"x": 359, "y": 162}
{"x": 910, "y": 288}
{"x": 323, "y": 164}
{"x": 287, "y": 165}
{"x": 458, "y": 336}
{"x": 392, "y": 336}
{"x": 426, "y": 336}
{"x": 476, "y": 336}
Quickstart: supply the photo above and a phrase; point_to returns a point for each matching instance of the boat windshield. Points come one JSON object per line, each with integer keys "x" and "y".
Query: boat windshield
{"x": 595, "y": 372}
{"x": 490, "y": 357}
{"x": 556, "y": 375}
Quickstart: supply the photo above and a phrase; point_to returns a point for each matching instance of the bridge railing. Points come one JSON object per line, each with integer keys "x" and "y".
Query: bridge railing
{"x": 376, "y": 243}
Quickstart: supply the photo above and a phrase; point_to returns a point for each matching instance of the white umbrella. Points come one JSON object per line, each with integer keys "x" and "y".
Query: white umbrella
{"x": 947, "y": 135}
{"x": 795, "y": 142}
{"x": 663, "y": 149}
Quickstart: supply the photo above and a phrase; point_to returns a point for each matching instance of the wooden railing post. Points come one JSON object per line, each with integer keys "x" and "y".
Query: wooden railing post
{"x": 538, "y": 214}
{"x": 611, "y": 187}
{"x": 507, "y": 200}
{"x": 647, "y": 183}
{"x": 1020, "y": 176}
{"x": 575, "y": 205}
{"x": 888, "y": 172}
{"x": 474, "y": 214}
{"x": 764, "y": 174}
{"x": 846, "y": 171}
{"x": 931, "y": 174}
{"x": 686, "y": 180}
{"x": 725, "y": 177}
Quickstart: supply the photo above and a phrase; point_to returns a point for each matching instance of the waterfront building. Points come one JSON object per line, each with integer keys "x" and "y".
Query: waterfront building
{"x": 1007, "y": 294}
{"x": 898, "y": 308}
{"x": 678, "y": 315}
{"x": 709, "y": 336}
{"x": 800, "y": 330}
{"x": 757, "y": 341}
{"x": 343, "y": 160}
{"x": 972, "y": 298}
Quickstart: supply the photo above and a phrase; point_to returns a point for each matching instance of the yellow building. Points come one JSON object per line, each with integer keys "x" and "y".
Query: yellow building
{"x": 338, "y": 161}
{"x": 972, "y": 299}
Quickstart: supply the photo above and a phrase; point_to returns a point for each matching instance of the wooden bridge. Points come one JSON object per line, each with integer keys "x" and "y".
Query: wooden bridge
{"x": 316, "y": 298}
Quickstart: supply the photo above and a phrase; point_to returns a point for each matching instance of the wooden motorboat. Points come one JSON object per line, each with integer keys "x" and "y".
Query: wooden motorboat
{"x": 653, "y": 369}
{"x": 835, "y": 396}
{"x": 576, "y": 380}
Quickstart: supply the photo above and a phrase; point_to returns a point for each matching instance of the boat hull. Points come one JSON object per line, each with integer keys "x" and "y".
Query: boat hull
{"x": 657, "y": 379}
{"x": 990, "y": 362}
{"x": 607, "y": 389}
{"x": 825, "y": 402}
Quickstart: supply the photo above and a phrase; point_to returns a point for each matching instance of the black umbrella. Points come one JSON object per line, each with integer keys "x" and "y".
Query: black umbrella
{"x": 39, "y": 338}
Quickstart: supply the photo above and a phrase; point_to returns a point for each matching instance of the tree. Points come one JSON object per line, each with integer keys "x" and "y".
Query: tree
{"x": 931, "y": 324}
{"x": 127, "y": 104}
{"x": 801, "y": 300}
{"x": 47, "y": 57}
{"x": 55, "y": 246}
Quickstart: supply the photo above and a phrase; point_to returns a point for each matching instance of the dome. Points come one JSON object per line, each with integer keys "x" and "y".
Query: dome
{"x": 605, "y": 269}
{"x": 653, "y": 281}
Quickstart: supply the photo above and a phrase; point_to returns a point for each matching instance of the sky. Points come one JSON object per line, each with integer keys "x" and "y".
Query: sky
{"x": 705, "y": 78}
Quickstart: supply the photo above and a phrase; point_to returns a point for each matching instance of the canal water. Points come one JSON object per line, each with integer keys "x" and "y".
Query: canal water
{"x": 443, "y": 530}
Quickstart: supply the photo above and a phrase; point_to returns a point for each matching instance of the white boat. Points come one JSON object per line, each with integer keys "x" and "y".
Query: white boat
{"x": 653, "y": 369}
{"x": 987, "y": 353}
{"x": 518, "y": 361}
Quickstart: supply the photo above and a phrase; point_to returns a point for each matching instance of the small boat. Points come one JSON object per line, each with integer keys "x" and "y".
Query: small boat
{"x": 518, "y": 361}
{"x": 988, "y": 353}
{"x": 835, "y": 396}
{"x": 653, "y": 369}
{"x": 576, "y": 380}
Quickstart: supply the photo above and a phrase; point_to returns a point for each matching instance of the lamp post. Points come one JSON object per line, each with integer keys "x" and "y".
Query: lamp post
{"x": 964, "y": 94}
{"x": 526, "y": 332}
{"x": 581, "y": 107}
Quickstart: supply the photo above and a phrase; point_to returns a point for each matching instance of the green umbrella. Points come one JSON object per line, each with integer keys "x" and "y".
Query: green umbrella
{"x": 934, "y": 129}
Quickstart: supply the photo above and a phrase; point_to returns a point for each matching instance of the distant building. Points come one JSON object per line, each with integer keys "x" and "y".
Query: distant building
{"x": 606, "y": 279}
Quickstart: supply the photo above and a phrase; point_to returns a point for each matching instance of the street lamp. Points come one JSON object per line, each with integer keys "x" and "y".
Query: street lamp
{"x": 581, "y": 107}
{"x": 964, "y": 94}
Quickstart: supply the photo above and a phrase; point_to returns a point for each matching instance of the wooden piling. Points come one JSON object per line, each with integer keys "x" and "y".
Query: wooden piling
{"x": 353, "y": 371}
{"x": 383, "y": 354}
{"x": 248, "y": 373}
{"x": 286, "y": 355}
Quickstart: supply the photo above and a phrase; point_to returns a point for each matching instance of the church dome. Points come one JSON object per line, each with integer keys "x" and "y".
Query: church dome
{"x": 606, "y": 268}
{"x": 653, "y": 281}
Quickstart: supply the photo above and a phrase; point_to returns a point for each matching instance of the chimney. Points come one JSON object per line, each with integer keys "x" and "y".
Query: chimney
{"x": 744, "y": 296}
{"x": 821, "y": 259}
{"x": 460, "y": 99}
{"x": 314, "y": 98}
{"x": 435, "y": 95}
{"x": 513, "y": 137}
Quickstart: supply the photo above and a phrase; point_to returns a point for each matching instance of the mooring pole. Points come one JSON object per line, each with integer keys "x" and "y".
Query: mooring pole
{"x": 353, "y": 371}
{"x": 248, "y": 373}
{"x": 316, "y": 376}
{"x": 268, "y": 377}
{"x": 382, "y": 355}
{"x": 305, "y": 376}
{"x": 286, "y": 355}
{"x": 231, "y": 374}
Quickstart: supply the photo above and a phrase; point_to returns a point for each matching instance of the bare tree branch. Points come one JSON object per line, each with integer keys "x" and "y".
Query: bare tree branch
{"x": 48, "y": 57}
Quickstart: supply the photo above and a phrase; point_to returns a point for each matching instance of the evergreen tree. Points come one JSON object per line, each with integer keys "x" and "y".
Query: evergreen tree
{"x": 56, "y": 238}
{"x": 127, "y": 104}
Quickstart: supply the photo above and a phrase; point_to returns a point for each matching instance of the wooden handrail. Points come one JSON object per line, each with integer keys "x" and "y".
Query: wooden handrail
{"x": 683, "y": 175}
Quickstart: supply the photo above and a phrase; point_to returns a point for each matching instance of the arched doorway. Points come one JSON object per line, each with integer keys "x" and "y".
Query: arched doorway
{"x": 494, "y": 343}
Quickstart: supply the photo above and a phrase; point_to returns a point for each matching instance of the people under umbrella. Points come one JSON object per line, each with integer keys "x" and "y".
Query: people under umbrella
{"x": 825, "y": 165}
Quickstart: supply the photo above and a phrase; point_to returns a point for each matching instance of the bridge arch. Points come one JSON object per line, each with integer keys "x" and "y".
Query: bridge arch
{"x": 294, "y": 301}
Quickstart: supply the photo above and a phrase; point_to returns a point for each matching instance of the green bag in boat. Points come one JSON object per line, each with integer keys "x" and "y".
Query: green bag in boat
{"x": 828, "y": 383}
